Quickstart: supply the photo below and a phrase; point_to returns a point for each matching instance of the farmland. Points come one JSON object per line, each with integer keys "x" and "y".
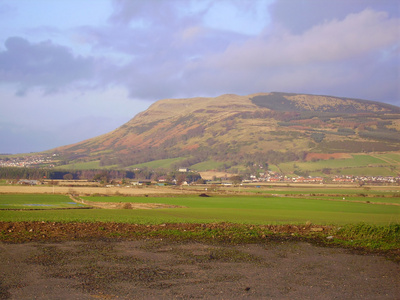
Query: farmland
{"x": 356, "y": 164}
{"x": 36, "y": 201}
{"x": 251, "y": 205}
{"x": 383, "y": 164}
{"x": 229, "y": 239}
{"x": 327, "y": 207}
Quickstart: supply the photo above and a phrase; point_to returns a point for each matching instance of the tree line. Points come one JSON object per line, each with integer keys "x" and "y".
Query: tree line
{"x": 94, "y": 175}
{"x": 38, "y": 174}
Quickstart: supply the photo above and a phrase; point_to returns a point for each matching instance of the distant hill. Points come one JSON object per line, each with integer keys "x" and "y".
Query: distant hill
{"x": 232, "y": 132}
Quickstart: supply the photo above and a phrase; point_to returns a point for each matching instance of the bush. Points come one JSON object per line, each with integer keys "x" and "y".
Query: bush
{"x": 127, "y": 206}
{"x": 318, "y": 137}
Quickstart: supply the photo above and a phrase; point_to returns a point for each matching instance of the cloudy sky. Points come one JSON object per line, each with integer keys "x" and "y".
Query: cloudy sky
{"x": 74, "y": 69}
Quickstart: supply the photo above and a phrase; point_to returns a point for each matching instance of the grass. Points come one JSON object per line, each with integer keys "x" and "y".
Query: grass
{"x": 159, "y": 164}
{"x": 363, "y": 225}
{"x": 82, "y": 165}
{"x": 207, "y": 165}
{"x": 232, "y": 209}
{"x": 355, "y": 161}
{"x": 369, "y": 236}
{"x": 366, "y": 171}
{"x": 391, "y": 156}
{"x": 36, "y": 201}
{"x": 357, "y": 165}
{"x": 390, "y": 191}
{"x": 349, "y": 195}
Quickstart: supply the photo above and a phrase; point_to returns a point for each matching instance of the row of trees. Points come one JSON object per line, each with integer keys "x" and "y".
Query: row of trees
{"x": 95, "y": 175}
{"x": 37, "y": 174}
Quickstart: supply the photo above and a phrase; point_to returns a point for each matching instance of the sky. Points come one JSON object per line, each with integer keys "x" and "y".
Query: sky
{"x": 74, "y": 69}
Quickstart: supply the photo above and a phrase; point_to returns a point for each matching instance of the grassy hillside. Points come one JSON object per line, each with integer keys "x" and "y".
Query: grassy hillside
{"x": 235, "y": 132}
{"x": 160, "y": 164}
{"x": 320, "y": 103}
{"x": 358, "y": 164}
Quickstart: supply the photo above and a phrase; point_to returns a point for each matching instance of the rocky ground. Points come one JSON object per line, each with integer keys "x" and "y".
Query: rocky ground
{"x": 126, "y": 261}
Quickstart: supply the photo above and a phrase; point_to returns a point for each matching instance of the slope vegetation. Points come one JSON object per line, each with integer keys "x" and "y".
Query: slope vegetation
{"x": 235, "y": 131}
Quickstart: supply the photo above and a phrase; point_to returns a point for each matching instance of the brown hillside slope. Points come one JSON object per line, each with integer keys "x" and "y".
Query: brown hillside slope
{"x": 245, "y": 128}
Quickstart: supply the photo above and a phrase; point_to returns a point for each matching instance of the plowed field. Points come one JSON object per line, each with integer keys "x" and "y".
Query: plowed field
{"x": 126, "y": 261}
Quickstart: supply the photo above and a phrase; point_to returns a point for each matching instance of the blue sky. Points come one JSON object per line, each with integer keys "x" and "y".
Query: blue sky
{"x": 74, "y": 69}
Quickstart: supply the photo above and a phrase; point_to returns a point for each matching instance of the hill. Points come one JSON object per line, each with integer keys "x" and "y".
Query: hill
{"x": 232, "y": 132}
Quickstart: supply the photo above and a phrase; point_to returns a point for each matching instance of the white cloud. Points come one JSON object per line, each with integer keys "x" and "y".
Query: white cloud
{"x": 332, "y": 57}
{"x": 357, "y": 34}
{"x": 142, "y": 51}
{"x": 299, "y": 16}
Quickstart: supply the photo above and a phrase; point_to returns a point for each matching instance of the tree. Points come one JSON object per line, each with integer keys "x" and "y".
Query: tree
{"x": 236, "y": 179}
{"x": 200, "y": 181}
{"x": 68, "y": 176}
{"x": 327, "y": 171}
{"x": 102, "y": 177}
{"x": 318, "y": 137}
{"x": 180, "y": 179}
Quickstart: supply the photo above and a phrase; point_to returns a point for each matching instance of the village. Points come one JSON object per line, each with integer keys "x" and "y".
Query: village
{"x": 28, "y": 161}
{"x": 275, "y": 177}
{"x": 270, "y": 177}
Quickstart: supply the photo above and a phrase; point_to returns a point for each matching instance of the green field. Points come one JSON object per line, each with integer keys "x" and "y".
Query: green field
{"x": 159, "y": 164}
{"x": 350, "y": 193}
{"x": 368, "y": 165}
{"x": 395, "y": 157}
{"x": 36, "y": 201}
{"x": 207, "y": 165}
{"x": 83, "y": 165}
{"x": 260, "y": 209}
{"x": 359, "y": 164}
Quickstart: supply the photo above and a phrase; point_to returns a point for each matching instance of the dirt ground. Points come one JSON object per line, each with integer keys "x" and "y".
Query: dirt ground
{"x": 123, "y": 205}
{"x": 168, "y": 191}
{"x": 326, "y": 156}
{"x": 78, "y": 263}
{"x": 112, "y": 191}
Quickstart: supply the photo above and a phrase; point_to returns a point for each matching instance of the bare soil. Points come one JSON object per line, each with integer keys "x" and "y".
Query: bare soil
{"x": 112, "y": 191}
{"x": 83, "y": 261}
{"x": 326, "y": 156}
{"x": 123, "y": 205}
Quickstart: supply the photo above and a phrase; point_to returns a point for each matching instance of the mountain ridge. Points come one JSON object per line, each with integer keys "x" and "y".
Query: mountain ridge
{"x": 241, "y": 129}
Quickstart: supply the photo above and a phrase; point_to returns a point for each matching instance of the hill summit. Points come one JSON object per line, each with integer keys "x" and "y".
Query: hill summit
{"x": 264, "y": 128}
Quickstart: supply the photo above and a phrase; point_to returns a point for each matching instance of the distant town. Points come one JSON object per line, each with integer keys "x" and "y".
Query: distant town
{"x": 28, "y": 161}
{"x": 48, "y": 161}
{"x": 274, "y": 177}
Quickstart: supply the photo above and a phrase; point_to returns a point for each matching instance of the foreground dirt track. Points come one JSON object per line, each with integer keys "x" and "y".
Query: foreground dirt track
{"x": 120, "y": 261}
{"x": 162, "y": 269}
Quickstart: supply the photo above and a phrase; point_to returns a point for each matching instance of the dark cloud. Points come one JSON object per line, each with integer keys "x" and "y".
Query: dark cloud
{"x": 299, "y": 16}
{"x": 157, "y": 41}
{"x": 155, "y": 13}
{"x": 311, "y": 46}
{"x": 160, "y": 29}
{"x": 356, "y": 57}
{"x": 161, "y": 49}
{"x": 42, "y": 64}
